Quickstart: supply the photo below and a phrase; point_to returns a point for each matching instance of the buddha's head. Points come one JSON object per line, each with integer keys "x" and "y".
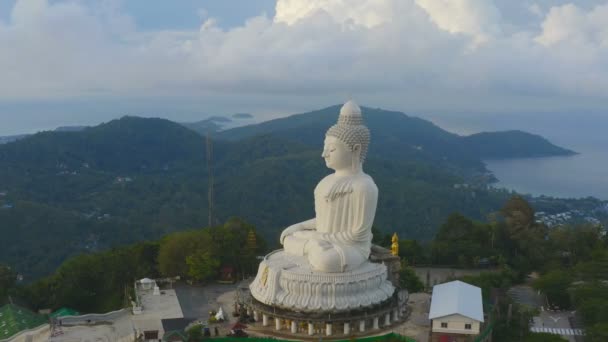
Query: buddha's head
{"x": 347, "y": 141}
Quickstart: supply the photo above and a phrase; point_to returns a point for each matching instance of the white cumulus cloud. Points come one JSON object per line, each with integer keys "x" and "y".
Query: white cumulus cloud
{"x": 369, "y": 13}
{"x": 478, "y": 18}
{"x": 569, "y": 23}
{"x": 423, "y": 54}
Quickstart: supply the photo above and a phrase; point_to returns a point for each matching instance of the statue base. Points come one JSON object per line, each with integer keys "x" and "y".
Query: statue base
{"x": 286, "y": 281}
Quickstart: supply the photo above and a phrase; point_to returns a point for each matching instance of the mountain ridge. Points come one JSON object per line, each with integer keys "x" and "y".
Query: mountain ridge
{"x": 398, "y": 135}
{"x": 136, "y": 179}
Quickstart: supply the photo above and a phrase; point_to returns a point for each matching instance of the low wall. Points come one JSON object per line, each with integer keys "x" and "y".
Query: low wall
{"x": 92, "y": 318}
{"x": 439, "y": 275}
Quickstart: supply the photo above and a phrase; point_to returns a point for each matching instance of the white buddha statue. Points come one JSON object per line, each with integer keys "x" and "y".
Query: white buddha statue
{"x": 324, "y": 266}
{"x": 339, "y": 238}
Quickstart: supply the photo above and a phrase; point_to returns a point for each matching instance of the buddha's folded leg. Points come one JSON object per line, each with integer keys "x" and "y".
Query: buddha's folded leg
{"x": 325, "y": 260}
{"x": 293, "y": 245}
{"x": 334, "y": 258}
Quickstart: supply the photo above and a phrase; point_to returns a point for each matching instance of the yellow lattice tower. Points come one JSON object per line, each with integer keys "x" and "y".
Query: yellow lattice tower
{"x": 252, "y": 242}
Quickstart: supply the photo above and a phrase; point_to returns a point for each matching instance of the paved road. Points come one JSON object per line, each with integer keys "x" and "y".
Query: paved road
{"x": 196, "y": 302}
{"x": 526, "y": 295}
{"x": 558, "y": 323}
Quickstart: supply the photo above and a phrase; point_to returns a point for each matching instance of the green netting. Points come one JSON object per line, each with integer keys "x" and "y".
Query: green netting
{"x": 64, "y": 312}
{"x": 388, "y": 337}
{"x": 14, "y": 319}
{"x": 182, "y": 334}
{"x": 484, "y": 333}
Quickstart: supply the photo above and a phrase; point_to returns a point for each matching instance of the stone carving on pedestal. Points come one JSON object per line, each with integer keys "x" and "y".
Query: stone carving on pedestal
{"x": 324, "y": 266}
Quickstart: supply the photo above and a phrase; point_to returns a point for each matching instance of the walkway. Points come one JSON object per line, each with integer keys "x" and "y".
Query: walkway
{"x": 559, "y": 331}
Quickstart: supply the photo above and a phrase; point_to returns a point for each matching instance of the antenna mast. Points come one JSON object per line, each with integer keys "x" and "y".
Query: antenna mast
{"x": 210, "y": 172}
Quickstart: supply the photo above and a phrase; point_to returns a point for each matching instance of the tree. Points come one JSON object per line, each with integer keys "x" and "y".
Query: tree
{"x": 202, "y": 265}
{"x": 591, "y": 301}
{"x": 195, "y": 333}
{"x": 555, "y": 285}
{"x": 199, "y": 253}
{"x": 598, "y": 332}
{"x": 177, "y": 247}
{"x": 571, "y": 245}
{"x": 412, "y": 252}
{"x": 462, "y": 240}
{"x": 514, "y": 327}
{"x": 8, "y": 279}
{"x": 491, "y": 280}
{"x": 596, "y": 268}
{"x": 409, "y": 280}
{"x": 380, "y": 238}
{"x": 522, "y": 238}
{"x": 235, "y": 245}
{"x": 518, "y": 214}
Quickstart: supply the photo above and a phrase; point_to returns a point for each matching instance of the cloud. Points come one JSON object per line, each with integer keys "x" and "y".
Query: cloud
{"x": 535, "y": 9}
{"x": 369, "y": 13}
{"x": 457, "y": 54}
{"x": 478, "y": 18}
{"x": 571, "y": 24}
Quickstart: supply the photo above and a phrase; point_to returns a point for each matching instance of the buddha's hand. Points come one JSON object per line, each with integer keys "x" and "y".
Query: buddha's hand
{"x": 305, "y": 234}
{"x": 290, "y": 231}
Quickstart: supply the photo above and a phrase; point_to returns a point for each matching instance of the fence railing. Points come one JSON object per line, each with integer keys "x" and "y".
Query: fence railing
{"x": 387, "y": 338}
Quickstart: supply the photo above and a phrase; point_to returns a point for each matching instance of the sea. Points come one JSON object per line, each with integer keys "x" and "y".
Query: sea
{"x": 577, "y": 176}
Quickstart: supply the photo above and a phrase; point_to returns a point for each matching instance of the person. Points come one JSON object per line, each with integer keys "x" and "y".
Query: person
{"x": 339, "y": 238}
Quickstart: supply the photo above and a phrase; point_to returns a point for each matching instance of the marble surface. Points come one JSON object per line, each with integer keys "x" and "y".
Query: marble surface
{"x": 325, "y": 265}
{"x": 288, "y": 282}
{"x": 338, "y": 239}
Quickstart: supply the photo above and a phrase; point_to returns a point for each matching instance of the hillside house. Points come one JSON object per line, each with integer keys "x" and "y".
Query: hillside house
{"x": 456, "y": 312}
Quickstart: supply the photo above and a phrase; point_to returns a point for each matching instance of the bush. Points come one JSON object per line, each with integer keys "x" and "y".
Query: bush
{"x": 409, "y": 280}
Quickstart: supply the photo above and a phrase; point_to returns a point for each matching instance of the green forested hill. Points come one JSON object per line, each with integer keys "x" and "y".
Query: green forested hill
{"x": 511, "y": 144}
{"x": 138, "y": 179}
{"x": 399, "y": 136}
{"x": 128, "y": 144}
{"x": 394, "y": 135}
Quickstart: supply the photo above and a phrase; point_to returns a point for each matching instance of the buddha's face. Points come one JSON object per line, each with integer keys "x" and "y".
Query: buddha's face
{"x": 337, "y": 154}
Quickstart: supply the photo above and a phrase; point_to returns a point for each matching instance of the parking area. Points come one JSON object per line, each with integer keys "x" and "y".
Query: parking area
{"x": 197, "y": 301}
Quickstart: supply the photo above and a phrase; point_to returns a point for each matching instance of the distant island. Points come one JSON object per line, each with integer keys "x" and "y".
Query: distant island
{"x": 214, "y": 123}
{"x": 11, "y": 138}
{"x": 242, "y": 116}
{"x": 512, "y": 144}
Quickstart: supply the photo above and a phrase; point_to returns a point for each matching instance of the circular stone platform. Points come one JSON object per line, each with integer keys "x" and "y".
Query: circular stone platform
{"x": 287, "y": 281}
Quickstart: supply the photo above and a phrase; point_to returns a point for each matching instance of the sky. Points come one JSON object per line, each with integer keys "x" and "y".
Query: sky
{"x": 74, "y": 62}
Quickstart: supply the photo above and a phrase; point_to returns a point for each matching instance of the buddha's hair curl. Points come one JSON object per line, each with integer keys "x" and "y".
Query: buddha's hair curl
{"x": 351, "y": 131}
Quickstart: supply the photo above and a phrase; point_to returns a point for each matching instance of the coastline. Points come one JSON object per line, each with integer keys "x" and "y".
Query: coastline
{"x": 578, "y": 175}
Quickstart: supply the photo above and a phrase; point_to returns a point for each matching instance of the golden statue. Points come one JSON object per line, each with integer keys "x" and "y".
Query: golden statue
{"x": 395, "y": 245}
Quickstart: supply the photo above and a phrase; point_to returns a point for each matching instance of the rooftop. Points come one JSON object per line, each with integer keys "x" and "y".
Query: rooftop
{"x": 456, "y": 297}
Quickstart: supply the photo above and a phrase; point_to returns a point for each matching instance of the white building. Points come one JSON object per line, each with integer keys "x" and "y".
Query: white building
{"x": 456, "y": 311}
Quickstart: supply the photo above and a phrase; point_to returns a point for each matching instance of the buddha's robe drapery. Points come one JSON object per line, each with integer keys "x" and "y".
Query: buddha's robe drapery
{"x": 345, "y": 207}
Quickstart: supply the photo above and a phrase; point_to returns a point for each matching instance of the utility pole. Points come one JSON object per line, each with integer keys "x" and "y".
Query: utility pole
{"x": 210, "y": 173}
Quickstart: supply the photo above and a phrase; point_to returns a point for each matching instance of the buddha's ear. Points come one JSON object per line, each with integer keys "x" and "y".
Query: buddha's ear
{"x": 357, "y": 149}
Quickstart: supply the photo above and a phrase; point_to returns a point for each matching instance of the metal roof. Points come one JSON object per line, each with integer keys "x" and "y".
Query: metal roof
{"x": 456, "y": 297}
